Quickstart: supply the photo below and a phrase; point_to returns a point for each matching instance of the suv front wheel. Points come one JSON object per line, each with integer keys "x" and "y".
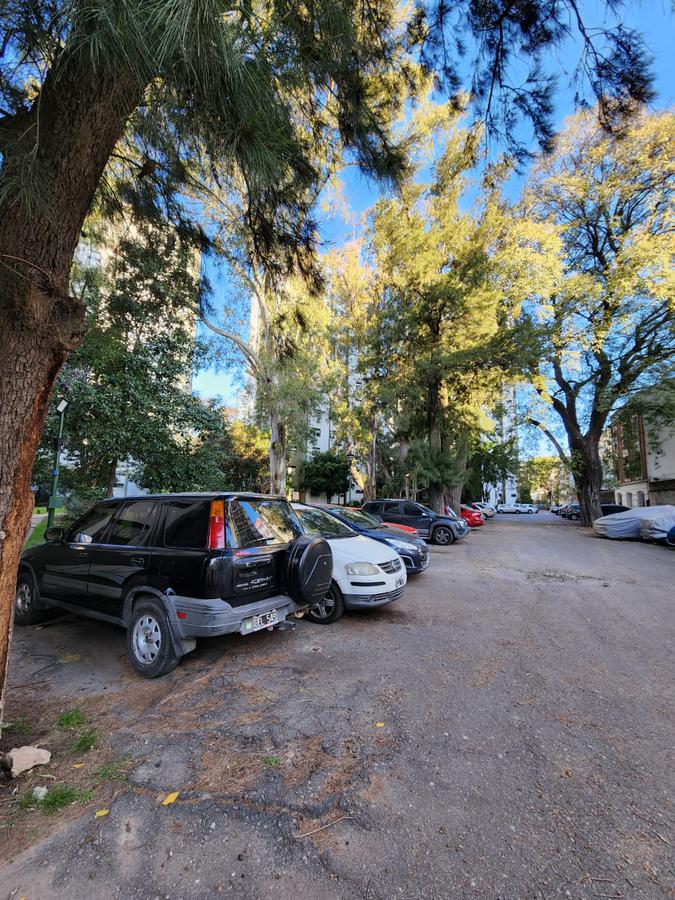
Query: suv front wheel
{"x": 26, "y": 609}
{"x": 442, "y": 536}
{"x": 149, "y": 643}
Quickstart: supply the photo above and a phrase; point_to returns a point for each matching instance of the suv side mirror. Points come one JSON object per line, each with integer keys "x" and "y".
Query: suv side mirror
{"x": 54, "y": 534}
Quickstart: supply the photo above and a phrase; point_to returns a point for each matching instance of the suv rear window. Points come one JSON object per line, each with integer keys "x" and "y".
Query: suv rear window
{"x": 132, "y": 526}
{"x": 186, "y": 523}
{"x": 258, "y": 522}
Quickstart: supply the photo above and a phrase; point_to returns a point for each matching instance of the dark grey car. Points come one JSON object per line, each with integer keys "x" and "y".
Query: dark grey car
{"x": 438, "y": 529}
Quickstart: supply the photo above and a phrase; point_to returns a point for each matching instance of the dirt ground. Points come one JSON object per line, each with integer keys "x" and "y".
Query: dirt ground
{"x": 503, "y": 731}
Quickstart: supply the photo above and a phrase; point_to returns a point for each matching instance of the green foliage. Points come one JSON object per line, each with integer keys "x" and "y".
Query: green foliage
{"x": 448, "y": 333}
{"x": 58, "y": 797}
{"x": 21, "y": 725}
{"x": 85, "y": 742}
{"x": 71, "y": 720}
{"x": 128, "y": 383}
{"x": 607, "y": 319}
{"x": 545, "y": 476}
{"x": 272, "y": 761}
{"x": 327, "y": 473}
{"x": 491, "y": 462}
{"x": 113, "y": 771}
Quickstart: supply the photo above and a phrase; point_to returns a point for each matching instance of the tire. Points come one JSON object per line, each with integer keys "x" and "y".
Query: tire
{"x": 26, "y": 610}
{"x": 149, "y": 641}
{"x": 330, "y": 609}
{"x": 309, "y": 569}
{"x": 442, "y": 536}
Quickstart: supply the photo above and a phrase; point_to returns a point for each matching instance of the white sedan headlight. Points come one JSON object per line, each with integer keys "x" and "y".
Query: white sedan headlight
{"x": 362, "y": 568}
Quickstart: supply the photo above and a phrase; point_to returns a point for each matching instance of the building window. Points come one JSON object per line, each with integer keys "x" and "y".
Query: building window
{"x": 640, "y": 498}
{"x": 619, "y": 499}
{"x": 629, "y": 499}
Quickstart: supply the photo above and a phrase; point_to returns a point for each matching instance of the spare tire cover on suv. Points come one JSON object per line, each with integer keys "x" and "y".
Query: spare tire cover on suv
{"x": 309, "y": 569}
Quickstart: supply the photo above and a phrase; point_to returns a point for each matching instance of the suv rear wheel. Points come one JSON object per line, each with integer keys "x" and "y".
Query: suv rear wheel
{"x": 442, "y": 536}
{"x": 149, "y": 642}
{"x": 329, "y": 609}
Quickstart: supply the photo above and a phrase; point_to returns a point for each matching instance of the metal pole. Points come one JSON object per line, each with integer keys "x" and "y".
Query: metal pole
{"x": 55, "y": 474}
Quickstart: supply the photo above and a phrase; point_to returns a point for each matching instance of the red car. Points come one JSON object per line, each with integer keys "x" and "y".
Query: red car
{"x": 471, "y": 516}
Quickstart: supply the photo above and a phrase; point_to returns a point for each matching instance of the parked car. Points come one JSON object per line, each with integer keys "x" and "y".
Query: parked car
{"x": 628, "y": 525}
{"x": 486, "y": 508}
{"x": 406, "y": 541}
{"x": 572, "y": 511}
{"x": 508, "y": 508}
{"x": 473, "y": 517}
{"x": 528, "y": 508}
{"x": 366, "y": 573}
{"x": 555, "y": 509}
{"x": 439, "y": 529}
{"x": 608, "y": 509}
{"x": 171, "y": 568}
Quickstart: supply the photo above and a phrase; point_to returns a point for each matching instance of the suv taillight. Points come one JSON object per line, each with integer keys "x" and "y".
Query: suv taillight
{"x": 217, "y": 525}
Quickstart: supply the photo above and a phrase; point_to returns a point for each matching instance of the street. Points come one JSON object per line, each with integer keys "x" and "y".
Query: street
{"x": 505, "y": 730}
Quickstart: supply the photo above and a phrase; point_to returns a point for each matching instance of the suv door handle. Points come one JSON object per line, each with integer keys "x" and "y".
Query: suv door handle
{"x": 137, "y": 561}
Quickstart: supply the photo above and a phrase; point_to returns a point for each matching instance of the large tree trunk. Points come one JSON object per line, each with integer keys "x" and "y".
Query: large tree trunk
{"x": 588, "y": 476}
{"x": 277, "y": 454}
{"x": 67, "y": 138}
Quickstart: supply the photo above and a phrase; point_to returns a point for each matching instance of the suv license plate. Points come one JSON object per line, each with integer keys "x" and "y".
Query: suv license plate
{"x": 257, "y": 623}
{"x": 400, "y": 582}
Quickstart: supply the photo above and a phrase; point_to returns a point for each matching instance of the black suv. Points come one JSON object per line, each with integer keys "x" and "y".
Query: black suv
{"x": 174, "y": 567}
{"x": 439, "y": 529}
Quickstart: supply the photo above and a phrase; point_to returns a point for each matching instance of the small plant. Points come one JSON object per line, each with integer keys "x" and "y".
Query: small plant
{"x": 69, "y": 721}
{"x": 58, "y": 797}
{"x": 85, "y": 742}
{"x": 20, "y": 726}
{"x": 112, "y": 771}
{"x": 271, "y": 761}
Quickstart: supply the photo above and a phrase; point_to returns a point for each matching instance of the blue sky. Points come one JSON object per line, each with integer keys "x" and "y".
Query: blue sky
{"x": 653, "y": 17}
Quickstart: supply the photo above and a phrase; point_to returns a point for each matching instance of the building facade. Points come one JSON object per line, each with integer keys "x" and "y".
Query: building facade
{"x": 644, "y": 453}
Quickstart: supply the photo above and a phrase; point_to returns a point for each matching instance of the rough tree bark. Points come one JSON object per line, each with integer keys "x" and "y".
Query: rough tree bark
{"x": 277, "y": 454}
{"x": 71, "y": 130}
{"x": 588, "y": 475}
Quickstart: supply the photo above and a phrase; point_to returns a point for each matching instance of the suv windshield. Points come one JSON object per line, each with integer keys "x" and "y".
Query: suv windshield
{"x": 359, "y": 517}
{"x": 316, "y": 521}
{"x": 260, "y": 522}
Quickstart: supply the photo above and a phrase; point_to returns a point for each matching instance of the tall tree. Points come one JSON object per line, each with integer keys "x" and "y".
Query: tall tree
{"x": 608, "y": 326}
{"x": 451, "y": 282}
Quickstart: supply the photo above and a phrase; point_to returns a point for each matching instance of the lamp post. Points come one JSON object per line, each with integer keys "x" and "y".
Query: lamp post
{"x": 61, "y": 407}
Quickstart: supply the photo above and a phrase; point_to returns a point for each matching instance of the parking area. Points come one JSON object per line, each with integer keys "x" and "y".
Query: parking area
{"x": 505, "y": 730}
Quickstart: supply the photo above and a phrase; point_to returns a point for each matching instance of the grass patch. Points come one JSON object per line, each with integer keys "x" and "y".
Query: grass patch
{"x": 20, "y": 726}
{"x": 58, "y": 797}
{"x": 37, "y": 535}
{"x": 112, "y": 771}
{"x": 71, "y": 720}
{"x": 85, "y": 742}
{"x": 272, "y": 761}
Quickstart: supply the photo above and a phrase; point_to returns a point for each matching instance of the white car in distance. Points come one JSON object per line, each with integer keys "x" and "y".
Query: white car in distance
{"x": 366, "y": 573}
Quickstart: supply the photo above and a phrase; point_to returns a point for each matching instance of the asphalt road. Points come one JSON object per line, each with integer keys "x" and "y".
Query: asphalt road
{"x": 504, "y": 731}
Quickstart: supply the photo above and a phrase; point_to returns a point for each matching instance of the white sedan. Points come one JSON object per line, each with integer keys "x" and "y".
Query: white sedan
{"x": 366, "y": 573}
{"x": 508, "y": 508}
